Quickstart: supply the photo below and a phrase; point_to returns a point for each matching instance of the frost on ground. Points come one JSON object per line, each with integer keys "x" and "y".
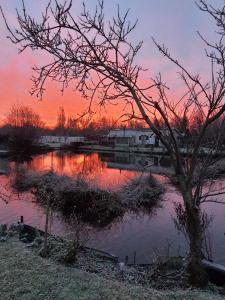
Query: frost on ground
{"x": 142, "y": 192}
{"x": 26, "y": 276}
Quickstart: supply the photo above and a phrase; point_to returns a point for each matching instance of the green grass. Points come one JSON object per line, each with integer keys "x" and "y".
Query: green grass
{"x": 26, "y": 276}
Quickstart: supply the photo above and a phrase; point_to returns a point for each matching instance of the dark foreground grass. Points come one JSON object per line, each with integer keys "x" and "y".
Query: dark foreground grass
{"x": 26, "y": 276}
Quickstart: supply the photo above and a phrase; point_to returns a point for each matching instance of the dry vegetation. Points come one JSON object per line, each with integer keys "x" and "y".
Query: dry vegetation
{"x": 26, "y": 276}
{"x": 95, "y": 206}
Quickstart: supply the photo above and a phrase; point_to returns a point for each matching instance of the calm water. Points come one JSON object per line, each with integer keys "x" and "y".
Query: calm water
{"x": 144, "y": 234}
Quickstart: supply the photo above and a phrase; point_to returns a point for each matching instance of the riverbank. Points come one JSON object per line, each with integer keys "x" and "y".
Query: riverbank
{"x": 25, "y": 275}
{"x": 23, "y": 154}
{"x": 145, "y": 149}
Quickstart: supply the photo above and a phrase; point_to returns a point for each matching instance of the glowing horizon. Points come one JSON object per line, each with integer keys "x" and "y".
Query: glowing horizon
{"x": 157, "y": 18}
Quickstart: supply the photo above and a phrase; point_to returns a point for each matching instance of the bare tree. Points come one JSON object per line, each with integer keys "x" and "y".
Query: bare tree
{"x": 100, "y": 57}
{"x": 23, "y": 124}
{"x": 61, "y": 121}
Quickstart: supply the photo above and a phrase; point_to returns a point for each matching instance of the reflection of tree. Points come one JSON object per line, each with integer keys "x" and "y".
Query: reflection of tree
{"x": 4, "y": 166}
{"x": 17, "y": 176}
{"x": 80, "y": 231}
{"x": 88, "y": 167}
{"x": 5, "y": 196}
{"x": 60, "y": 157}
{"x": 7, "y": 193}
{"x": 180, "y": 222}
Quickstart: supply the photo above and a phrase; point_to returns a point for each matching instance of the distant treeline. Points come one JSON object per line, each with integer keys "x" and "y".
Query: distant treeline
{"x": 23, "y": 127}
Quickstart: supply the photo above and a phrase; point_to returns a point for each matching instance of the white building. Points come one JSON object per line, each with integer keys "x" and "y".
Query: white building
{"x": 130, "y": 137}
{"x": 145, "y": 137}
{"x": 59, "y": 141}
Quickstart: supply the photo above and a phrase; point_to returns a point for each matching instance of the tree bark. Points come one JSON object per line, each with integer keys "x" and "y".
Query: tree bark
{"x": 197, "y": 274}
{"x": 45, "y": 249}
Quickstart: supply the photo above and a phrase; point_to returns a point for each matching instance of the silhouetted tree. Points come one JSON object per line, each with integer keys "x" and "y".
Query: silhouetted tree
{"x": 23, "y": 128}
{"x": 61, "y": 121}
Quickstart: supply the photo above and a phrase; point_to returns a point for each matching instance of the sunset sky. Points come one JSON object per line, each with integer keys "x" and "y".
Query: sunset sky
{"x": 173, "y": 22}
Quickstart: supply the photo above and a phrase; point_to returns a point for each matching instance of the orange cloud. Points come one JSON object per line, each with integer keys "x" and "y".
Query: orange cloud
{"x": 15, "y": 85}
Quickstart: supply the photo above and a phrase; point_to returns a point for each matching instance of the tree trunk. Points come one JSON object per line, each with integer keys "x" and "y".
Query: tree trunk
{"x": 197, "y": 275}
{"x": 45, "y": 249}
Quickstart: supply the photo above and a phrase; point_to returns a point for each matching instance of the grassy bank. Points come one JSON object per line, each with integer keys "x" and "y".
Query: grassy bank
{"x": 25, "y": 275}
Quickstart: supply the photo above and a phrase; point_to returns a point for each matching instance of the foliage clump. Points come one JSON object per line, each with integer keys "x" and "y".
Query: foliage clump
{"x": 142, "y": 192}
{"x": 93, "y": 205}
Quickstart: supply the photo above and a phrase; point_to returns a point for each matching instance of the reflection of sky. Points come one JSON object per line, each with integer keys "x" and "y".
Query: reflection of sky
{"x": 173, "y": 22}
{"x": 142, "y": 233}
{"x": 89, "y": 166}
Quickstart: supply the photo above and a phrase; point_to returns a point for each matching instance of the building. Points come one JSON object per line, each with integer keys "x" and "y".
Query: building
{"x": 59, "y": 141}
{"x": 132, "y": 137}
{"x": 141, "y": 137}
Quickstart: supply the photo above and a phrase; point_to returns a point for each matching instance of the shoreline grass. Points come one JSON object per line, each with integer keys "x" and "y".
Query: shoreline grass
{"x": 26, "y": 276}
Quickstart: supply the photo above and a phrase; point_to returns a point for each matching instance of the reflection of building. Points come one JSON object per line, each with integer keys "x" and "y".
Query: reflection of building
{"x": 127, "y": 161}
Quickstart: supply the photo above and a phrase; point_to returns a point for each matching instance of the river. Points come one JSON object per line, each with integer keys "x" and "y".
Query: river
{"x": 146, "y": 235}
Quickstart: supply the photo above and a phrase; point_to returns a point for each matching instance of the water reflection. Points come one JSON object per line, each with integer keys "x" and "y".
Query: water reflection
{"x": 141, "y": 233}
{"x": 4, "y": 167}
{"x": 206, "y": 221}
{"x": 92, "y": 167}
{"x": 68, "y": 164}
